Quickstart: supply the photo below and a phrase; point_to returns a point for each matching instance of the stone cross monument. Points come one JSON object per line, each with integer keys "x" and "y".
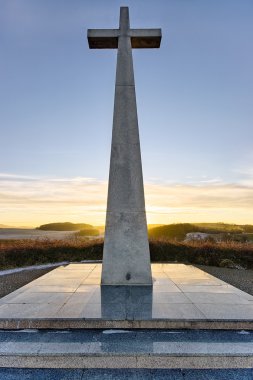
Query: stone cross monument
{"x": 126, "y": 257}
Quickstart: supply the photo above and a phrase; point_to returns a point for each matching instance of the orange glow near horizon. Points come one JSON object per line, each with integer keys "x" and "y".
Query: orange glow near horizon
{"x": 30, "y": 203}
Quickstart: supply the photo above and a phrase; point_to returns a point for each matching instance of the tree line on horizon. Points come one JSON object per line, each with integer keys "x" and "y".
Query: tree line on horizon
{"x": 83, "y": 229}
{"x": 179, "y": 231}
{"x": 170, "y": 231}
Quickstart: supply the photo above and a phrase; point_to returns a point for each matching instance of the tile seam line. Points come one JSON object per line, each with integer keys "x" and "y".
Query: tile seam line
{"x": 191, "y": 302}
{"x": 180, "y": 289}
{"x": 58, "y": 310}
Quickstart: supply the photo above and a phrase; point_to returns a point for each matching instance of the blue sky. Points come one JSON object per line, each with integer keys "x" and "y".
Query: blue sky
{"x": 194, "y": 98}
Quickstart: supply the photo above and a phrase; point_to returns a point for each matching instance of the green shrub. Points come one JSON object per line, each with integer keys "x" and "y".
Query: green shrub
{"x": 32, "y": 252}
{"x": 202, "y": 252}
{"x": 226, "y": 263}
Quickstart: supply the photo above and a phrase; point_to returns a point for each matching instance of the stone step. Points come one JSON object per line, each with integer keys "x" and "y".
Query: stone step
{"x": 125, "y": 374}
{"x": 126, "y": 349}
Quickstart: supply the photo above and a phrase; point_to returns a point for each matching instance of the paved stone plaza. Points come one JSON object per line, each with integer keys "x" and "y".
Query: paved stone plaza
{"x": 182, "y": 296}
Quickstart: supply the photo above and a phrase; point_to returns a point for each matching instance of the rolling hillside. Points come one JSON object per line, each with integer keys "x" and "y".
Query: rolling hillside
{"x": 179, "y": 231}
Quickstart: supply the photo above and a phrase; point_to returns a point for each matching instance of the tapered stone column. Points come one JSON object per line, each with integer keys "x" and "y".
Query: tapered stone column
{"x": 126, "y": 257}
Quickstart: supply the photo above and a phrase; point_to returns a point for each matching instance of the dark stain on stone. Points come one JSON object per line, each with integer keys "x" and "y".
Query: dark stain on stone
{"x": 128, "y": 276}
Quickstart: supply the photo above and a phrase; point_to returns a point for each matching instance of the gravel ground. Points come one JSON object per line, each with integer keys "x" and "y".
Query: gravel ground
{"x": 242, "y": 279}
{"x": 11, "y": 282}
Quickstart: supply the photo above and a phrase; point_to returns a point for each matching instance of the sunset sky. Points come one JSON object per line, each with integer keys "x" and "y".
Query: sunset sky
{"x": 194, "y": 99}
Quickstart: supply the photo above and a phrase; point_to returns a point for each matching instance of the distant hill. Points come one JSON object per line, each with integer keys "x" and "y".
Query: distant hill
{"x": 65, "y": 227}
{"x": 88, "y": 232}
{"x": 154, "y": 225}
{"x": 178, "y": 231}
{"x": 101, "y": 229}
{"x": 172, "y": 231}
{"x": 221, "y": 227}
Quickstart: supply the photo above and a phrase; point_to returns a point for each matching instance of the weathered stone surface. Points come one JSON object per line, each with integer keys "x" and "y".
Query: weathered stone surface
{"x": 145, "y": 38}
{"x": 103, "y": 38}
{"x": 126, "y": 257}
{"x": 126, "y": 250}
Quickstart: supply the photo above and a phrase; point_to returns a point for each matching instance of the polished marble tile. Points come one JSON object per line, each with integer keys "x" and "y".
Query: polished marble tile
{"x": 176, "y": 311}
{"x": 61, "y": 280}
{"x": 163, "y": 297}
{"x": 196, "y": 281}
{"x": 28, "y": 310}
{"x": 94, "y": 311}
{"x": 87, "y": 288}
{"x": 227, "y": 312}
{"x": 40, "y": 298}
{"x": 78, "y": 298}
{"x": 206, "y": 288}
{"x": 52, "y": 288}
{"x": 68, "y": 311}
{"x": 217, "y": 298}
{"x": 166, "y": 288}
{"x": 90, "y": 281}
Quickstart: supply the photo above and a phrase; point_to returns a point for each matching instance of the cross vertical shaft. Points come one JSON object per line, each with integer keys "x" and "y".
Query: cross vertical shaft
{"x": 126, "y": 257}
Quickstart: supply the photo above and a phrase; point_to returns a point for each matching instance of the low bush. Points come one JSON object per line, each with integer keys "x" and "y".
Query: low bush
{"x": 202, "y": 252}
{"x": 17, "y": 253}
{"x": 226, "y": 263}
{"x": 31, "y": 252}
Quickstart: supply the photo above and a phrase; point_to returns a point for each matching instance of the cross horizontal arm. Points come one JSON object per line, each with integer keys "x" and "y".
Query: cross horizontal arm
{"x": 103, "y": 38}
{"x": 145, "y": 38}
{"x": 108, "y": 38}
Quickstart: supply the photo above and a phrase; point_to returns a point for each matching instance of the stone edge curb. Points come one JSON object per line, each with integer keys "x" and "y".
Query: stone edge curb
{"x": 47, "y": 323}
{"x": 126, "y": 361}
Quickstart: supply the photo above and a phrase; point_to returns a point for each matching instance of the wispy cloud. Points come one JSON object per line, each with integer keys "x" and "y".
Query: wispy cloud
{"x": 246, "y": 174}
{"x": 34, "y": 200}
{"x": 202, "y": 195}
{"x": 16, "y": 177}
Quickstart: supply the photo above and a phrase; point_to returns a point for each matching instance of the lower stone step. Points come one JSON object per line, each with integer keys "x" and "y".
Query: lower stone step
{"x": 125, "y": 374}
{"x": 126, "y": 349}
